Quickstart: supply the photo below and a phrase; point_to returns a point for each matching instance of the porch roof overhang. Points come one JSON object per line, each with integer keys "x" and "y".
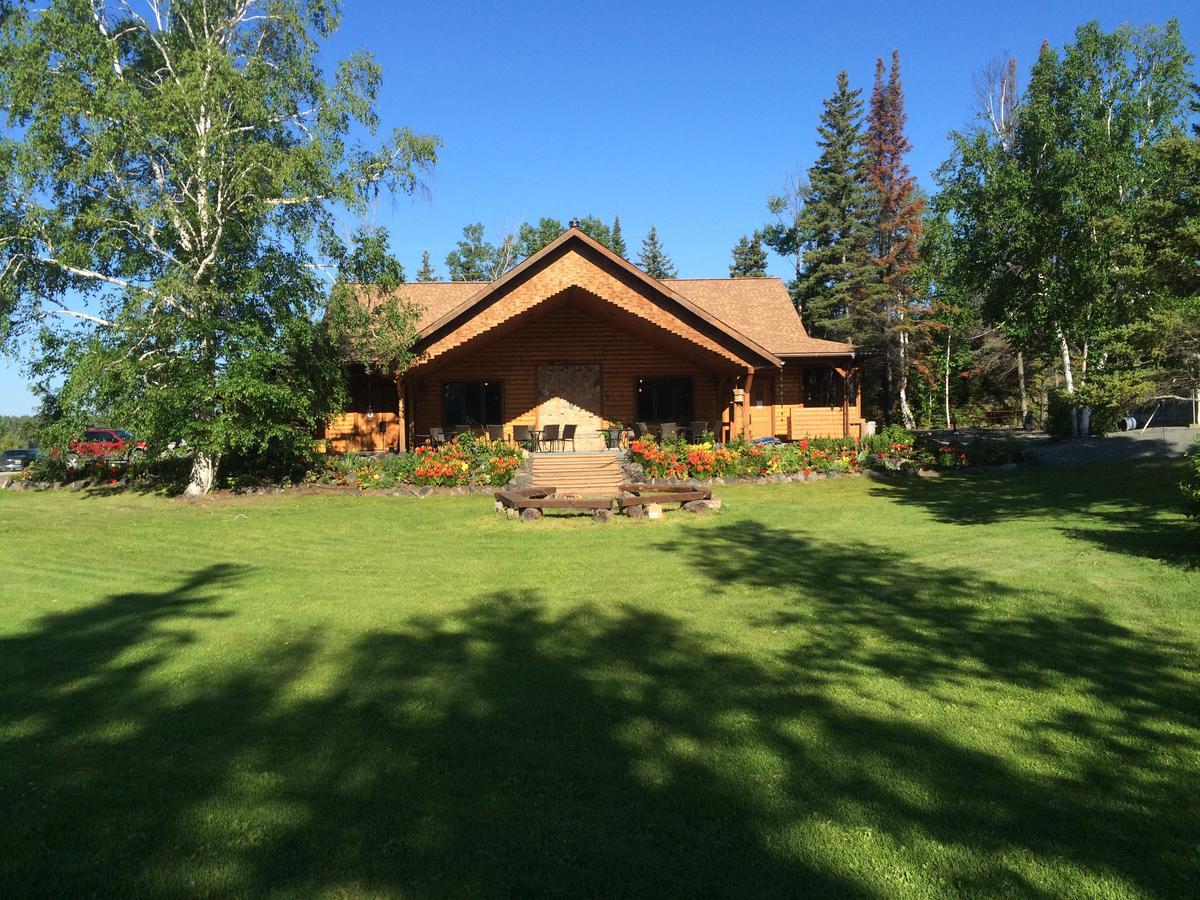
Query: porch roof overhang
{"x": 751, "y": 355}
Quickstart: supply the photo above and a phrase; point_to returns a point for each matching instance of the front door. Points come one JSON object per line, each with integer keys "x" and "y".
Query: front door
{"x": 762, "y": 408}
{"x": 572, "y": 395}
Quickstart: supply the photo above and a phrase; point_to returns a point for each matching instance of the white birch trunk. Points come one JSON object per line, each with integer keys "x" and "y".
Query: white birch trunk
{"x": 906, "y": 413}
{"x": 1068, "y": 379}
{"x": 946, "y": 381}
{"x": 204, "y": 473}
{"x": 1021, "y": 385}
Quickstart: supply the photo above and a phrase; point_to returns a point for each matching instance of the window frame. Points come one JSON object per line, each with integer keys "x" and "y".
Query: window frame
{"x": 484, "y": 384}
{"x": 652, "y": 382}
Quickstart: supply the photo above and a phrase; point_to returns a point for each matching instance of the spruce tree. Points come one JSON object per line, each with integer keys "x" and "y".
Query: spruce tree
{"x": 653, "y": 260}
{"x": 749, "y": 258}
{"x": 617, "y": 242}
{"x": 426, "y": 272}
{"x": 894, "y": 315}
{"x": 834, "y": 228}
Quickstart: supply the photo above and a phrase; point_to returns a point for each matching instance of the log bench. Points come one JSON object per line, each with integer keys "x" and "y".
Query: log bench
{"x": 635, "y": 497}
{"x": 530, "y": 503}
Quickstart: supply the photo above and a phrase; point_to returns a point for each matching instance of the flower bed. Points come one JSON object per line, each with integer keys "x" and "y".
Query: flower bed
{"x": 464, "y": 461}
{"x": 895, "y": 449}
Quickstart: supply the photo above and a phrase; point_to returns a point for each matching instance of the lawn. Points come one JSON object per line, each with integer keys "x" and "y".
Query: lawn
{"x": 972, "y": 685}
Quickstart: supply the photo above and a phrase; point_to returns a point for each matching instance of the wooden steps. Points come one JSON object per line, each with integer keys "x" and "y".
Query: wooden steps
{"x": 576, "y": 471}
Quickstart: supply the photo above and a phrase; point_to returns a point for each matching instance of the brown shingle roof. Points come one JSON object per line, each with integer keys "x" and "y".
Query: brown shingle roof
{"x": 758, "y": 308}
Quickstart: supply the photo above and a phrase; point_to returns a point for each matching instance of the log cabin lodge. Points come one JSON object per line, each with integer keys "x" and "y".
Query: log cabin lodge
{"x": 575, "y": 334}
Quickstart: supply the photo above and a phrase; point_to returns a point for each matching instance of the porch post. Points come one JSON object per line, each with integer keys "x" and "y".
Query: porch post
{"x": 845, "y": 374}
{"x": 746, "y": 405}
{"x": 401, "y": 418}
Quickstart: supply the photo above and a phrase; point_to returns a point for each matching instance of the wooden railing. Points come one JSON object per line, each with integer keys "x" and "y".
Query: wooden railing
{"x": 353, "y": 431}
{"x": 816, "y": 421}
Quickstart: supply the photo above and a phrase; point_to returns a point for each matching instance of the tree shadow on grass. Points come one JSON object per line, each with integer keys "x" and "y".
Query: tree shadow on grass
{"x": 1111, "y": 716}
{"x": 506, "y": 750}
{"x": 1131, "y": 507}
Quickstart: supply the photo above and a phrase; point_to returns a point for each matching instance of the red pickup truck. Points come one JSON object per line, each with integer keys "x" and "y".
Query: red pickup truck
{"x": 106, "y": 442}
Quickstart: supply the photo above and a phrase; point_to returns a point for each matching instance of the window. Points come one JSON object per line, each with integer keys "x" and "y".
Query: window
{"x": 664, "y": 399}
{"x": 822, "y": 387}
{"x": 473, "y": 403}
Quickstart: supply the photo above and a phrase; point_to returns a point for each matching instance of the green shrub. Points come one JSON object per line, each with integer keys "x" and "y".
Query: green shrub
{"x": 1191, "y": 483}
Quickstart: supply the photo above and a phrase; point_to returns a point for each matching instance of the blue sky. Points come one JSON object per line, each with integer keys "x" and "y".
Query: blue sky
{"x": 684, "y": 116}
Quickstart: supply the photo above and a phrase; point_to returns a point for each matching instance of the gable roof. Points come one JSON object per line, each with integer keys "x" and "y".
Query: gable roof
{"x": 759, "y": 307}
{"x": 756, "y": 312}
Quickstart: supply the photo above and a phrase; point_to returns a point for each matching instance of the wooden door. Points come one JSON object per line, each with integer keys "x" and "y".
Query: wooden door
{"x": 762, "y": 407}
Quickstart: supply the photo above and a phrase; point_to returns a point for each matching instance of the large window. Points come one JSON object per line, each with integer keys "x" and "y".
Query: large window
{"x": 664, "y": 399}
{"x": 473, "y": 403}
{"x": 822, "y": 387}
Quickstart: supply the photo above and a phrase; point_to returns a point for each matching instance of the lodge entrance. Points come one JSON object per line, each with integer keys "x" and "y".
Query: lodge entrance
{"x": 572, "y": 394}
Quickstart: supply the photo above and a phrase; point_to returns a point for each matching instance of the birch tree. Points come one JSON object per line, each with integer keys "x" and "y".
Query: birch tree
{"x": 170, "y": 186}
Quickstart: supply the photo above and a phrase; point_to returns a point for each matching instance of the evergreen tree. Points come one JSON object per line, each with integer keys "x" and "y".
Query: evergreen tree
{"x": 426, "y": 272}
{"x": 749, "y": 258}
{"x": 834, "y": 221}
{"x": 893, "y": 314}
{"x": 652, "y": 259}
{"x": 616, "y": 242}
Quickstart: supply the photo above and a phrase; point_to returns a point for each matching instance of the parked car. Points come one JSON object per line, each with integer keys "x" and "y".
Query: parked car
{"x": 17, "y": 460}
{"x": 107, "y": 442}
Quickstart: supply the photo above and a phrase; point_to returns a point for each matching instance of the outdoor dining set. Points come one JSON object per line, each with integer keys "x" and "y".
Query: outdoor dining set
{"x": 550, "y": 438}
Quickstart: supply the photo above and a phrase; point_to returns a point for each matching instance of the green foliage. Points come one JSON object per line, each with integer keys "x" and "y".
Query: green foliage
{"x": 477, "y": 259}
{"x": 749, "y": 258}
{"x": 652, "y": 259}
{"x": 171, "y": 185}
{"x": 532, "y": 238}
{"x": 616, "y": 241}
{"x": 18, "y": 431}
{"x": 426, "y": 272}
{"x": 1081, "y": 226}
{"x": 1191, "y": 483}
{"x": 834, "y": 224}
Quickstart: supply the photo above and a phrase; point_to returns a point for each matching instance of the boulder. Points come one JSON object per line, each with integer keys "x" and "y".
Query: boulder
{"x": 530, "y": 514}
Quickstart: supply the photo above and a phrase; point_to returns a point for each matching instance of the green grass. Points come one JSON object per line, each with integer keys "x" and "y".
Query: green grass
{"x": 972, "y": 685}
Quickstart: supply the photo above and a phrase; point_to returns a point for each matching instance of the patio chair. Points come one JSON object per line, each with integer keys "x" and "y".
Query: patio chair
{"x": 461, "y": 429}
{"x": 549, "y": 436}
{"x": 640, "y": 430}
{"x": 696, "y": 430}
{"x": 568, "y": 434}
{"x": 437, "y": 437}
{"x": 495, "y": 432}
{"x": 523, "y": 437}
{"x": 667, "y": 430}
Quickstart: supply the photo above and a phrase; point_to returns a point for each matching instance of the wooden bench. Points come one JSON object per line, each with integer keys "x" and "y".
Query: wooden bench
{"x": 642, "y": 494}
{"x": 530, "y": 503}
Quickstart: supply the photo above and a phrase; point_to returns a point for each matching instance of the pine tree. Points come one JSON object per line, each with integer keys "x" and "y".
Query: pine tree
{"x": 834, "y": 228}
{"x": 617, "y": 242}
{"x": 653, "y": 260}
{"x": 426, "y": 272}
{"x": 894, "y": 316}
{"x": 749, "y": 257}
